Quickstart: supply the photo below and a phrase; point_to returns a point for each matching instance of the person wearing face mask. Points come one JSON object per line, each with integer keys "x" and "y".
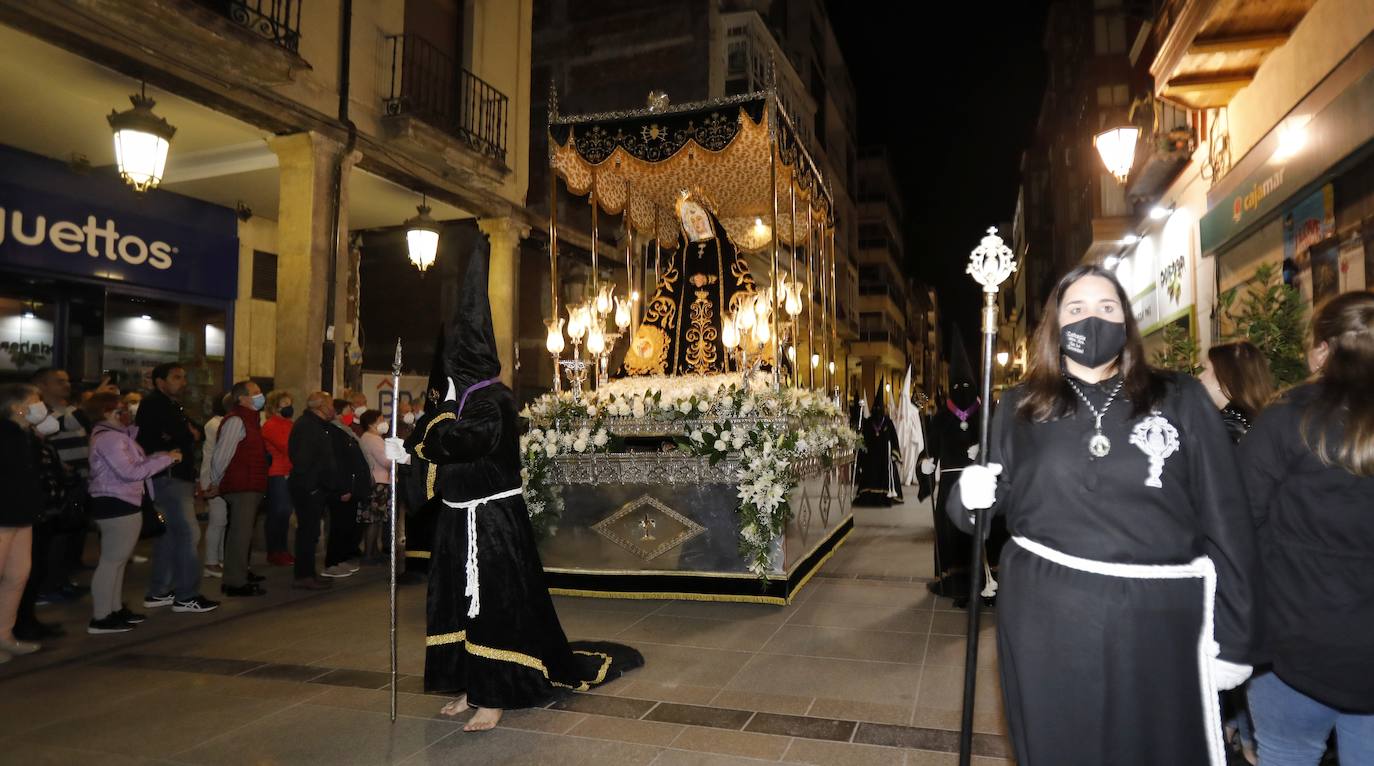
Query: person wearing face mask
{"x": 121, "y": 473}
{"x": 276, "y": 432}
{"x": 373, "y": 513}
{"x": 20, "y": 452}
{"x": 950, "y": 447}
{"x": 357, "y": 407}
{"x": 1128, "y": 589}
{"x": 132, "y": 400}
{"x": 238, "y": 471}
{"x": 1309, "y": 463}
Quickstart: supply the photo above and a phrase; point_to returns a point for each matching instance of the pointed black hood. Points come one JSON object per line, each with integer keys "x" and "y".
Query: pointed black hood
{"x": 438, "y": 381}
{"x": 470, "y": 355}
{"x": 963, "y": 383}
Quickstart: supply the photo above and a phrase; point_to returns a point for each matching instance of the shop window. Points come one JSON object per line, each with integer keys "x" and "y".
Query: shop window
{"x": 27, "y": 336}
{"x": 264, "y": 276}
{"x": 141, "y": 333}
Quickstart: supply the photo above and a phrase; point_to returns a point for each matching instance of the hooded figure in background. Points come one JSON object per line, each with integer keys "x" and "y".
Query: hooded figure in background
{"x": 951, "y": 443}
{"x": 492, "y": 635}
{"x": 879, "y": 483}
{"x": 423, "y": 505}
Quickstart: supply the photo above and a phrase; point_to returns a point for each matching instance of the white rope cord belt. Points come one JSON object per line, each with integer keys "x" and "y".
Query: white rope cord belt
{"x": 472, "y": 591}
{"x": 1207, "y": 650}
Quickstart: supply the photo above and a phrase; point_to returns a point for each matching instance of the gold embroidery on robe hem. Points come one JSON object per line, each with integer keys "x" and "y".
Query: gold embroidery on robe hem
{"x": 701, "y": 337}
{"x": 533, "y": 663}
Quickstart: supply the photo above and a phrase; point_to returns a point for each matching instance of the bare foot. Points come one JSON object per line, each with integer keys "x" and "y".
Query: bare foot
{"x": 485, "y": 718}
{"x": 456, "y": 707}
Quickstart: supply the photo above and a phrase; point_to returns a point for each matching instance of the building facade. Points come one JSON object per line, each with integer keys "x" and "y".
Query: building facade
{"x": 603, "y": 56}
{"x": 299, "y": 127}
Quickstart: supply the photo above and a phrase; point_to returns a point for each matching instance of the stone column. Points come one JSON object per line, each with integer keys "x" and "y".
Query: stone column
{"x": 503, "y": 287}
{"x": 305, "y": 225}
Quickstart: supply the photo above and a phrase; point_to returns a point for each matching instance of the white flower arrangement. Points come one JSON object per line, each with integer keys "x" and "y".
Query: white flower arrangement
{"x": 768, "y": 431}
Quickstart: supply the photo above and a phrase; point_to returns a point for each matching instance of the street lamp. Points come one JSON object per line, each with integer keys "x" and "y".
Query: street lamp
{"x": 141, "y": 141}
{"x": 1117, "y": 147}
{"x": 422, "y": 238}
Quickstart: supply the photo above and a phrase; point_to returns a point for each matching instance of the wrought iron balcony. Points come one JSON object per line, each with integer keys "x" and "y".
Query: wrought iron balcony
{"x": 430, "y": 86}
{"x": 276, "y": 20}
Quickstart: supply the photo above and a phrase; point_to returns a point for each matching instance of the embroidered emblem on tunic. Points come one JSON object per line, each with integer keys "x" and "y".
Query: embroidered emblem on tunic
{"x": 1158, "y": 439}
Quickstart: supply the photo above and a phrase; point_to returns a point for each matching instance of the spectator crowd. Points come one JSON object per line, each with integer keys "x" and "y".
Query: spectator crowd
{"x": 90, "y": 475}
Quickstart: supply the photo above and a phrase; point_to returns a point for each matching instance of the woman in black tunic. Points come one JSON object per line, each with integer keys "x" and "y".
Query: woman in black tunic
{"x": 1127, "y": 589}
{"x": 492, "y": 631}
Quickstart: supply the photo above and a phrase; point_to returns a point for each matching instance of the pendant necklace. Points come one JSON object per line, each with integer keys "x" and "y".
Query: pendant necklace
{"x": 1098, "y": 445}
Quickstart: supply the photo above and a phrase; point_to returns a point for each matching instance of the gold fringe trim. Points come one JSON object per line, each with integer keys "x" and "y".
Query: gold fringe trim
{"x": 533, "y": 663}
{"x": 737, "y": 598}
{"x": 447, "y": 638}
{"x": 417, "y": 554}
{"x": 433, "y": 472}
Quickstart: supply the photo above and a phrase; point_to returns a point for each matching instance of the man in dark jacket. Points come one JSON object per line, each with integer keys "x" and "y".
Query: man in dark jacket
{"x": 162, "y": 427}
{"x": 320, "y": 481}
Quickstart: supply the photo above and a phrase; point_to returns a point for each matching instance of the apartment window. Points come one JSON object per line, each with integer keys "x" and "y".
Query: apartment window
{"x": 264, "y": 276}
{"x": 1118, "y": 94}
{"x": 1109, "y": 34}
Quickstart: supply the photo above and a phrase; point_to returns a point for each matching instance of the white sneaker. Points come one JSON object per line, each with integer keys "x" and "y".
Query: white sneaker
{"x": 352, "y": 565}
{"x": 218, "y": 570}
{"x": 153, "y": 602}
{"x": 338, "y": 570}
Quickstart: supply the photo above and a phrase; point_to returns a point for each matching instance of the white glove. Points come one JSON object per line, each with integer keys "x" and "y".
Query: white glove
{"x": 927, "y": 466}
{"x": 973, "y": 452}
{"x": 396, "y": 451}
{"x": 978, "y": 486}
{"x": 1229, "y": 675}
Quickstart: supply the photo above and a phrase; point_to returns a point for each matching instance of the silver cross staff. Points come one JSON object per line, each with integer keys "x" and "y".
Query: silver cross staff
{"x": 395, "y": 426}
{"x": 989, "y": 264}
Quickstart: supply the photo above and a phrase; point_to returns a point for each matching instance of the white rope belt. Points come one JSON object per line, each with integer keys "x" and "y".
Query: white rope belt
{"x": 471, "y": 591}
{"x": 1207, "y": 649}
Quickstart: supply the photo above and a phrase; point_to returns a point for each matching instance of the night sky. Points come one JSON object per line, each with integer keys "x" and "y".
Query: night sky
{"x": 953, "y": 91}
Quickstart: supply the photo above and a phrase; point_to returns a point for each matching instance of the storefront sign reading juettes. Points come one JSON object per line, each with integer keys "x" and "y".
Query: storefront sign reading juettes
{"x": 93, "y": 226}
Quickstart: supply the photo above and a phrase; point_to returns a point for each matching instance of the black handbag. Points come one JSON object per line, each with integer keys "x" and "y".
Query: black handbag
{"x": 154, "y": 524}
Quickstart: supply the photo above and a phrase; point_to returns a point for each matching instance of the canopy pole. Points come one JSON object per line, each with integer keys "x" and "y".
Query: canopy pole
{"x": 792, "y": 340}
{"x": 773, "y": 192}
{"x": 834, "y": 300}
{"x": 809, "y": 304}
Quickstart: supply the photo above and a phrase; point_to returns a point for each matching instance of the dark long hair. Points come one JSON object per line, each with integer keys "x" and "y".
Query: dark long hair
{"x": 1243, "y": 374}
{"x": 1346, "y": 325}
{"x": 1048, "y": 394}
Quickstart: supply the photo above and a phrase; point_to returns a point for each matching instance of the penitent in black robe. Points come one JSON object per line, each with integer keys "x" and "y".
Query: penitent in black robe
{"x": 948, "y": 443}
{"x": 879, "y": 482}
{"x": 514, "y": 653}
{"x": 1103, "y": 668}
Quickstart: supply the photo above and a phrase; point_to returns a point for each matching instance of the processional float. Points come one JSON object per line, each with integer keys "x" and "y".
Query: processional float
{"x": 706, "y": 456}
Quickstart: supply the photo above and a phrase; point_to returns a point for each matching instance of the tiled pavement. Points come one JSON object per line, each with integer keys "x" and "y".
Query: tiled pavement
{"x": 864, "y": 668}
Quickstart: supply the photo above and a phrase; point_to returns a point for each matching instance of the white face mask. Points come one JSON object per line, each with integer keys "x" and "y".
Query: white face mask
{"x": 36, "y": 413}
{"x": 48, "y": 426}
{"x": 408, "y": 418}
{"x": 359, "y": 411}
{"x": 133, "y": 410}
{"x": 383, "y": 427}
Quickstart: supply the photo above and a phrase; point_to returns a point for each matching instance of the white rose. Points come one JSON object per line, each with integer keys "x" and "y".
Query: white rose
{"x": 580, "y": 445}
{"x": 638, "y": 409}
{"x": 702, "y": 406}
{"x": 746, "y": 408}
{"x": 551, "y": 449}
{"x": 739, "y": 441}
{"x": 698, "y": 437}
{"x": 721, "y": 446}
{"x": 685, "y": 407}
{"x": 591, "y": 410}
{"x": 602, "y": 438}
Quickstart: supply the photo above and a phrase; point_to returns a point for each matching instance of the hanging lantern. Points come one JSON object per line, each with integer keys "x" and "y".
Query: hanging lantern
{"x": 422, "y": 238}
{"x": 1117, "y": 147}
{"x": 141, "y": 141}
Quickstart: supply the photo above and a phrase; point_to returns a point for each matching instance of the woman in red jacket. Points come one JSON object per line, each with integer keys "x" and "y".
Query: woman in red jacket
{"x": 276, "y": 432}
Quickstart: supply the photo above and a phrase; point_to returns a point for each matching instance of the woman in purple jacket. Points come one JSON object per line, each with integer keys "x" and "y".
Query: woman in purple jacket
{"x": 120, "y": 472}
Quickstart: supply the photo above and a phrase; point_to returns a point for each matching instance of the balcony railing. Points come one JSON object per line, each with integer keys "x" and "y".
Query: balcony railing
{"x": 430, "y": 86}
{"x": 276, "y": 20}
